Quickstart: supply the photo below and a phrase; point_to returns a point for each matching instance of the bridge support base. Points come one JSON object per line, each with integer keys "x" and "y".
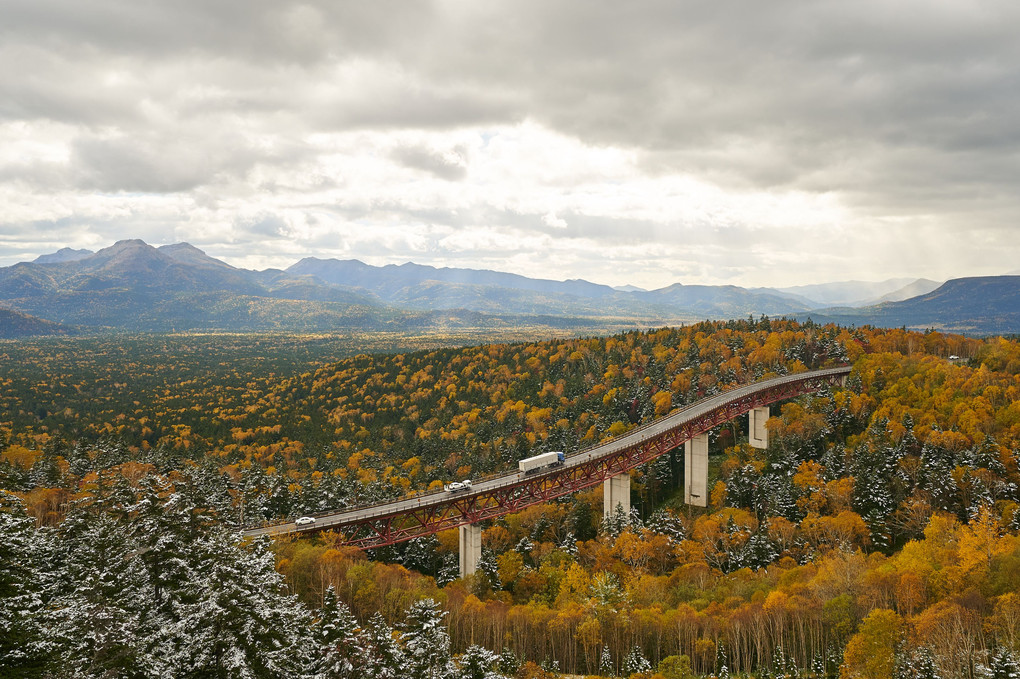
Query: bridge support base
{"x": 757, "y": 434}
{"x": 616, "y": 491}
{"x": 696, "y": 471}
{"x": 470, "y": 548}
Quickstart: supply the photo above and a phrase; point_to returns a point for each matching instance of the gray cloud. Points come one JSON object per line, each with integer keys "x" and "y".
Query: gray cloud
{"x": 450, "y": 166}
{"x": 905, "y": 113}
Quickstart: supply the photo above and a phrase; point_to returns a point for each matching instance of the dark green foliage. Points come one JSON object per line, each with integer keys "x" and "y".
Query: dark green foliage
{"x": 24, "y": 647}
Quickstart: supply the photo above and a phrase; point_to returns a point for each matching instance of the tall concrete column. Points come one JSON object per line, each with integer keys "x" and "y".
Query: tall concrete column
{"x": 616, "y": 491}
{"x": 757, "y": 434}
{"x": 470, "y": 548}
{"x": 696, "y": 471}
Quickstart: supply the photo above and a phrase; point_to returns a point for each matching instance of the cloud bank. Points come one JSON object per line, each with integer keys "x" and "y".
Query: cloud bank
{"x": 647, "y": 143}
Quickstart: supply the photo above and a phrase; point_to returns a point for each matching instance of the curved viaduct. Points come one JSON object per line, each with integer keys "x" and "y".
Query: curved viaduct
{"x": 607, "y": 463}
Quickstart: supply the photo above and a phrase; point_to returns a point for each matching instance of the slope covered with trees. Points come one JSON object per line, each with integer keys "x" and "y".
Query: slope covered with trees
{"x": 875, "y": 537}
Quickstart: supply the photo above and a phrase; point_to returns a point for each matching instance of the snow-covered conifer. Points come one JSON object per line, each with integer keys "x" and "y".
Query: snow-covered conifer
{"x": 634, "y": 662}
{"x": 23, "y": 645}
{"x": 426, "y": 641}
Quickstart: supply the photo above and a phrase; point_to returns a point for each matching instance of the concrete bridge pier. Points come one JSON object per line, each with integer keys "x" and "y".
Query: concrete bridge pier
{"x": 757, "y": 434}
{"x": 470, "y": 548}
{"x": 616, "y": 491}
{"x": 696, "y": 471}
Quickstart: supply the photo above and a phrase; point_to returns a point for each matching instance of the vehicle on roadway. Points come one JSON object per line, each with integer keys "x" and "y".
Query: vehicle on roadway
{"x": 304, "y": 521}
{"x": 531, "y": 465}
{"x": 458, "y": 486}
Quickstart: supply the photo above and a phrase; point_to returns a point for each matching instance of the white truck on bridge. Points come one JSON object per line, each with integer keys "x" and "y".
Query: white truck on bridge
{"x": 532, "y": 464}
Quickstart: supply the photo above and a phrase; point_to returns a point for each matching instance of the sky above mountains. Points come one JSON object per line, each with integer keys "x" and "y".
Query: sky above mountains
{"x": 771, "y": 144}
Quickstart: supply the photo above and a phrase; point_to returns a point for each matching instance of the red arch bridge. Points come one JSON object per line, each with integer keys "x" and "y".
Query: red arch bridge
{"x": 607, "y": 463}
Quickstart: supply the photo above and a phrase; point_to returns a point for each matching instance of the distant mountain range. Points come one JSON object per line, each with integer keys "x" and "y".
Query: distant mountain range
{"x": 860, "y": 293}
{"x": 980, "y": 306}
{"x": 134, "y": 286}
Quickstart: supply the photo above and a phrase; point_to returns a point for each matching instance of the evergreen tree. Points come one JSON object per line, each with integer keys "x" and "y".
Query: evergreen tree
{"x": 426, "y": 641}
{"x": 478, "y": 662}
{"x": 669, "y": 524}
{"x": 422, "y": 555}
{"x": 23, "y": 646}
{"x": 635, "y": 662}
{"x": 721, "y": 662}
{"x": 97, "y": 619}
{"x": 616, "y": 522}
{"x": 1004, "y": 665}
{"x": 233, "y": 620}
{"x": 606, "y": 663}
{"x": 382, "y": 657}
{"x": 337, "y": 640}
{"x": 917, "y": 664}
{"x": 509, "y": 663}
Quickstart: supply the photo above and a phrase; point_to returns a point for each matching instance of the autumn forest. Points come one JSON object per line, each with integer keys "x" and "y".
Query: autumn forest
{"x": 877, "y": 536}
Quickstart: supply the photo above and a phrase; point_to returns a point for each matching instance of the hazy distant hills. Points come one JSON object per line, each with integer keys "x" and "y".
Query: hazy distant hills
{"x": 979, "y": 305}
{"x": 134, "y": 286}
{"x": 860, "y": 293}
{"x": 424, "y": 287}
{"x": 16, "y": 324}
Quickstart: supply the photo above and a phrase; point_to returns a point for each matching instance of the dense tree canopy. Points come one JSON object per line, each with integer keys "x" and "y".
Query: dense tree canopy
{"x": 875, "y": 536}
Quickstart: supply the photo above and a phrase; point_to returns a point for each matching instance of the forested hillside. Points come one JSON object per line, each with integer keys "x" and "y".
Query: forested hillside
{"x": 875, "y": 537}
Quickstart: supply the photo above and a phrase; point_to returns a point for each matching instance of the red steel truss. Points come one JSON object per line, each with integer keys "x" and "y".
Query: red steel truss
{"x": 383, "y": 528}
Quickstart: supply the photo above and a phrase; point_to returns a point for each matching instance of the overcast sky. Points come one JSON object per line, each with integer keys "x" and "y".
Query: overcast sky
{"x": 752, "y": 143}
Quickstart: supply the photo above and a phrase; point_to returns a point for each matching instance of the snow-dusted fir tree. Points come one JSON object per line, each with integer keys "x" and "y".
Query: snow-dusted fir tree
{"x": 426, "y": 641}
{"x": 1003, "y": 665}
{"x": 449, "y": 569}
{"x": 96, "y": 604}
{"x": 382, "y": 657}
{"x": 634, "y": 662}
{"x": 616, "y": 522}
{"x": 234, "y": 620}
{"x": 509, "y": 663}
{"x": 338, "y": 649}
{"x": 23, "y": 646}
{"x": 669, "y": 524}
{"x": 216, "y": 608}
{"x": 722, "y": 661}
{"x": 489, "y": 569}
{"x": 422, "y": 555}
{"x": 917, "y": 664}
{"x": 606, "y": 663}
{"x": 478, "y": 662}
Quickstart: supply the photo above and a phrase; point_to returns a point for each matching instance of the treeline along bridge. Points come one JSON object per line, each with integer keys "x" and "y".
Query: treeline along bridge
{"x": 607, "y": 463}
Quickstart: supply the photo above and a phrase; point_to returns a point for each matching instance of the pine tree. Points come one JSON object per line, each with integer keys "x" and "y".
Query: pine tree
{"x": 337, "y": 640}
{"x": 509, "y": 663}
{"x": 422, "y": 555}
{"x": 1004, "y": 665}
{"x": 635, "y": 662}
{"x": 97, "y": 620}
{"x": 233, "y": 620}
{"x": 382, "y": 657}
{"x": 721, "y": 661}
{"x": 917, "y": 664}
{"x": 426, "y": 641}
{"x": 606, "y": 663}
{"x": 23, "y": 646}
{"x": 478, "y": 662}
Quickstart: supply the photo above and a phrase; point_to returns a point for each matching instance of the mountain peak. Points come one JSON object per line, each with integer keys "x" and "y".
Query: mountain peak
{"x": 180, "y": 247}
{"x": 63, "y": 255}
